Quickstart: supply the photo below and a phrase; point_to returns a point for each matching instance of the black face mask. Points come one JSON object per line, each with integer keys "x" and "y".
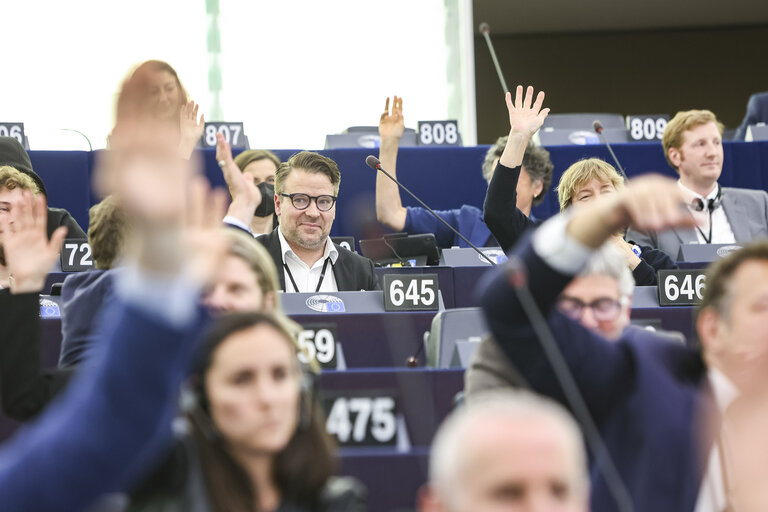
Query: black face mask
{"x": 267, "y": 206}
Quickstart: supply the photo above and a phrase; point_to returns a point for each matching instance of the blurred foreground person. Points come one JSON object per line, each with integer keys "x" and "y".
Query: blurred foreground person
{"x": 507, "y": 451}
{"x": 114, "y": 417}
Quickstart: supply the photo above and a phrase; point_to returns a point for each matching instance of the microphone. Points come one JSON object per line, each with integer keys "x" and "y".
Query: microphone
{"x": 375, "y": 164}
{"x": 598, "y": 127}
{"x": 485, "y": 29}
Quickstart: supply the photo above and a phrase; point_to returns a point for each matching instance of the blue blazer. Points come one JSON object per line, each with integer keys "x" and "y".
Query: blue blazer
{"x": 648, "y": 397}
{"x": 111, "y": 423}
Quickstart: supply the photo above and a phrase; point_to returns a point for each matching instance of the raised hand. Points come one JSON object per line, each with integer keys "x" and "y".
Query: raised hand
{"x": 190, "y": 128}
{"x": 246, "y": 196}
{"x": 392, "y": 126}
{"x": 29, "y": 255}
{"x": 525, "y": 115}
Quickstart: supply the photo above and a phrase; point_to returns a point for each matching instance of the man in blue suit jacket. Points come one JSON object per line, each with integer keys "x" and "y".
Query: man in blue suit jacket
{"x": 650, "y": 399}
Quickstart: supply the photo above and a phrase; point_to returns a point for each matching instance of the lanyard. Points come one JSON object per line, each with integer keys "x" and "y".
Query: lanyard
{"x": 709, "y": 238}
{"x": 319, "y": 282}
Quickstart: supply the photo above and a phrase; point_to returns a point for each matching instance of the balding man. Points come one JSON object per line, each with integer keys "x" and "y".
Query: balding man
{"x": 507, "y": 451}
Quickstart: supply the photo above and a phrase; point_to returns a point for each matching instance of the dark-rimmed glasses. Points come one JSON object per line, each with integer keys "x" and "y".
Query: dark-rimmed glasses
{"x": 604, "y": 309}
{"x": 301, "y": 201}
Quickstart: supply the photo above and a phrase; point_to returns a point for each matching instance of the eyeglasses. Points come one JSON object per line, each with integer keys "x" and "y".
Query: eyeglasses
{"x": 604, "y": 309}
{"x": 301, "y": 201}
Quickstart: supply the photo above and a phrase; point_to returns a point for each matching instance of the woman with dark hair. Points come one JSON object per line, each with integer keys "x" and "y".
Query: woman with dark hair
{"x": 256, "y": 439}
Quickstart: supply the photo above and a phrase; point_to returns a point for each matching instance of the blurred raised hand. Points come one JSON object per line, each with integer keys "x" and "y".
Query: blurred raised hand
{"x": 29, "y": 255}
{"x": 392, "y": 125}
{"x": 168, "y": 200}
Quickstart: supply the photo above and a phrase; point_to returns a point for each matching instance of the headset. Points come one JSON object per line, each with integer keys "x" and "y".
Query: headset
{"x": 193, "y": 401}
{"x": 698, "y": 204}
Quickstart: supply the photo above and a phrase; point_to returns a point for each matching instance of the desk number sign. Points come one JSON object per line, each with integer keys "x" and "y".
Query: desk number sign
{"x": 649, "y": 128}
{"x": 363, "y": 420}
{"x": 76, "y": 255}
{"x": 319, "y": 340}
{"x": 681, "y": 287}
{"x": 15, "y": 130}
{"x": 416, "y": 292}
{"x": 232, "y": 132}
{"x": 439, "y": 133}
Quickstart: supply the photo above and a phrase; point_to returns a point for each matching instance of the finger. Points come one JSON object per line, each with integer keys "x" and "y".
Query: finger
{"x": 202, "y": 120}
{"x": 198, "y": 188}
{"x": 22, "y": 214}
{"x": 399, "y": 105}
{"x": 57, "y": 239}
{"x": 543, "y": 115}
{"x": 216, "y": 208}
{"x": 528, "y": 97}
{"x": 508, "y": 100}
{"x": 194, "y": 111}
{"x": 40, "y": 212}
{"x": 386, "y": 107}
{"x": 519, "y": 96}
{"x": 539, "y": 101}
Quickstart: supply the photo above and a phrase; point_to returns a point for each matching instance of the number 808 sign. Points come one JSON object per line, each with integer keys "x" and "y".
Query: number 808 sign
{"x": 681, "y": 287}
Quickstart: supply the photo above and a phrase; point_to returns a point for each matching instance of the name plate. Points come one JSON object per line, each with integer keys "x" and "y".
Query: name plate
{"x": 319, "y": 340}
{"x": 49, "y": 307}
{"x": 417, "y": 292}
{"x": 681, "y": 287}
{"x": 15, "y": 130}
{"x": 76, "y": 255}
{"x": 370, "y": 419}
{"x": 439, "y": 133}
{"x": 468, "y": 257}
{"x": 705, "y": 252}
{"x": 647, "y": 127}
{"x": 232, "y": 132}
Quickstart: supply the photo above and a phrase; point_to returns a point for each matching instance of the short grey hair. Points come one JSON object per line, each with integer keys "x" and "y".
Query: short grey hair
{"x": 609, "y": 261}
{"x": 446, "y": 456}
{"x": 535, "y": 160}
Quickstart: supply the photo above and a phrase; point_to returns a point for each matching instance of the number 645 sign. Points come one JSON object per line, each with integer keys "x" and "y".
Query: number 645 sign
{"x": 417, "y": 292}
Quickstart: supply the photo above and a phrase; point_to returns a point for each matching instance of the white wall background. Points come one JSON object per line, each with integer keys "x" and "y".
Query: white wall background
{"x": 293, "y": 70}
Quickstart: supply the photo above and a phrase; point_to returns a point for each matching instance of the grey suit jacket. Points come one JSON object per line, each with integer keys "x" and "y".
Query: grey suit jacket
{"x": 747, "y": 213}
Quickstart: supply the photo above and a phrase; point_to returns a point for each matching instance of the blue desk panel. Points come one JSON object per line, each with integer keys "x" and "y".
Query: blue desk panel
{"x": 443, "y": 177}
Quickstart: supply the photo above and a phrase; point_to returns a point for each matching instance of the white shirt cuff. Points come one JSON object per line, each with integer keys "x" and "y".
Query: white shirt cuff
{"x": 558, "y": 249}
{"x": 173, "y": 299}
{"x": 234, "y": 221}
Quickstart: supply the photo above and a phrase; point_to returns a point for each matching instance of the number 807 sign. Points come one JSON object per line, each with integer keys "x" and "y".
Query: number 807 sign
{"x": 681, "y": 287}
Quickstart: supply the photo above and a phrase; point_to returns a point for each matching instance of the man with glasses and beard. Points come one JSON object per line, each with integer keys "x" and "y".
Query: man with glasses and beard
{"x": 306, "y": 187}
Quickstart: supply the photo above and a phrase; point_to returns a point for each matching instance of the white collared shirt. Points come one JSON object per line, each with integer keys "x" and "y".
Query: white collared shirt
{"x": 711, "y": 493}
{"x": 721, "y": 228}
{"x": 306, "y": 278}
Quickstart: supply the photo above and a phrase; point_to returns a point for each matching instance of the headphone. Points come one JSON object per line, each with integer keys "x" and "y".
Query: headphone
{"x": 699, "y": 205}
{"x": 193, "y": 401}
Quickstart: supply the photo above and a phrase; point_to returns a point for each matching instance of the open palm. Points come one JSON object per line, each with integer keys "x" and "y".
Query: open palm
{"x": 526, "y": 115}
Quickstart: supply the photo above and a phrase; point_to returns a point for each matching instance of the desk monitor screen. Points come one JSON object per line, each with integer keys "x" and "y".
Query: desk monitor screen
{"x": 400, "y": 248}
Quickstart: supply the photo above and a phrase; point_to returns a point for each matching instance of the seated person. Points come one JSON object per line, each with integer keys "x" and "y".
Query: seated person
{"x": 512, "y": 451}
{"x": 306, "y": 187}
{"x": 535, "y": 178}
{"x": 170, "y": 102}
{"x": 757, "y": 112}
{"x": 257, "y": 438}
{"x": 84, "y": 293}
{"x": 693, "y": 146}
{"x": 115, "y": 416}
{"x": 250, "y": 175}
{"x": 13, "y": 154}
{"x": 648, "y": 397}
{"x": 600, "y": 298}
{"x": 580, "y": 183}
